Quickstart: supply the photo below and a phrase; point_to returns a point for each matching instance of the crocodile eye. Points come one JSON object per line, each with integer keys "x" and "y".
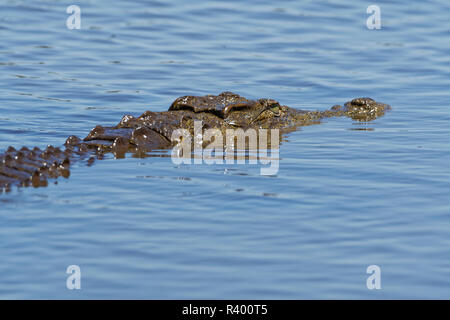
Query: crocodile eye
{"x": 275, "y": 110}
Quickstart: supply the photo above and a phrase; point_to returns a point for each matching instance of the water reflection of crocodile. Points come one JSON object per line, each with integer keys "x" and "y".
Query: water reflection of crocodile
{"x": 153, "y": 131}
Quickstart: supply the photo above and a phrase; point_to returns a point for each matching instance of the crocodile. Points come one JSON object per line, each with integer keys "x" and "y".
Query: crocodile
{"x": 153, "y": 131}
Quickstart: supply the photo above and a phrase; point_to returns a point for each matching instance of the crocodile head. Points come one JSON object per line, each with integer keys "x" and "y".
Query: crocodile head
{"x": 153, "y": 130}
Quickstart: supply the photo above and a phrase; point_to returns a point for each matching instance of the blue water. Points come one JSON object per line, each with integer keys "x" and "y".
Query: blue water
{"x": 343, "y": 199}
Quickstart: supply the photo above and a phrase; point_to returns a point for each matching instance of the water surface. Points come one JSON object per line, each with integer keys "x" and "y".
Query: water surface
{"x": 343, "y": 198}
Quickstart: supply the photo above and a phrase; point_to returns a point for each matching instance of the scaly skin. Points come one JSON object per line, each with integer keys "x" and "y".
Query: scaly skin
{"x": 153, "y": 131}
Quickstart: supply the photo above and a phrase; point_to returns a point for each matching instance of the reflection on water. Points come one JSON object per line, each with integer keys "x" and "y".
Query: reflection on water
{"x": 342, "y": 199}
